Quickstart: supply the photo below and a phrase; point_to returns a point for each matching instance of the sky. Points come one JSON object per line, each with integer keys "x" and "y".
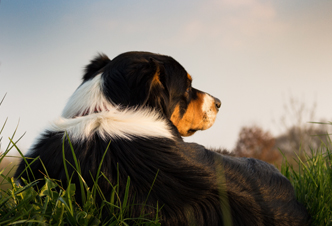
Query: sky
{"x": 253, "y": 55}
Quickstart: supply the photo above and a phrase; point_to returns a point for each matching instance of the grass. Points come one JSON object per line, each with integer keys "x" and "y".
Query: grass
{"x": 312, "y": 181}
{"x": 54, "y": 205}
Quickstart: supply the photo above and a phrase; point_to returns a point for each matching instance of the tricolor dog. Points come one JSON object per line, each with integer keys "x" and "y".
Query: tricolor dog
{"x": 141, "y": 104}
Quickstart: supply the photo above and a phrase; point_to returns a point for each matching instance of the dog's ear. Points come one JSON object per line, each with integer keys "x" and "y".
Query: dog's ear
{"x": 95, "y": 66}
{"x": 139, "y": 82}
{"x": 156, "y": 95}
{"x": 147, "y": 85}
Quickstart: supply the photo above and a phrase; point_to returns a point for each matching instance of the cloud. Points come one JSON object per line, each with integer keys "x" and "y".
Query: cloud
{"x": 233, "y": 23}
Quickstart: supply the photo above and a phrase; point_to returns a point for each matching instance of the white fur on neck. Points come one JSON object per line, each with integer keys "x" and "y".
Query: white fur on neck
{"x": 114, "y": 124}
{"x": 88, "y": 112}
{"x": 86, "y": 99}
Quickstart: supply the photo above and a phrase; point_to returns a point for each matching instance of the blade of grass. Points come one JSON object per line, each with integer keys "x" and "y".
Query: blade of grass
{"x": 25, "y": 160}
{"x": 78, "y": 168}
{"x": 98, "y": 171}
{"x": 64, "y": 159}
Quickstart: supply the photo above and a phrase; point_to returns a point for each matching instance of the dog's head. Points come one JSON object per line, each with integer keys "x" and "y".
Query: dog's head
{"x": 143, "y": 79}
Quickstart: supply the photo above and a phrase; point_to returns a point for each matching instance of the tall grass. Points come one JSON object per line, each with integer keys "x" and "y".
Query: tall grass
{"x": 54, "y": 204}
{"x": 312, "y": 181}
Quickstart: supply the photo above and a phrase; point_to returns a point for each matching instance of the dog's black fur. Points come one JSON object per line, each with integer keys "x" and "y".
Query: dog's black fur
{"x": 194, "y": 185}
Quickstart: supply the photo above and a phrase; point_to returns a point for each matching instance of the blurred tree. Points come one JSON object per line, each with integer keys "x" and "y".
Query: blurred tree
{"x": 256, "y": 143}
{"x": 298, "y": 133}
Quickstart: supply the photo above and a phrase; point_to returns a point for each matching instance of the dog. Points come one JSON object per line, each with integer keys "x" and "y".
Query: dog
{"x": 137, "y": 107}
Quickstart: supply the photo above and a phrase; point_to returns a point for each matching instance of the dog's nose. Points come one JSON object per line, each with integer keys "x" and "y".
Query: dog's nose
{"x": 217, "y": 102}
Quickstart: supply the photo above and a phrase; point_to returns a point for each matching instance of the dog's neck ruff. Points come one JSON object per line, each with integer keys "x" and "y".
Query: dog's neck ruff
{"x": 114, "y": 124}
{"x": 88, "y": 112}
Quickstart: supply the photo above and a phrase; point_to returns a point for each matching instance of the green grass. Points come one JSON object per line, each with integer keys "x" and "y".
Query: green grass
{"x": 312, "y": 181}
{"x": 54, "y": 205}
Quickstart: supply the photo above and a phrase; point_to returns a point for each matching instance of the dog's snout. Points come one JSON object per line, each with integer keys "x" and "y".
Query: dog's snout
{"x": 217, "y": 103}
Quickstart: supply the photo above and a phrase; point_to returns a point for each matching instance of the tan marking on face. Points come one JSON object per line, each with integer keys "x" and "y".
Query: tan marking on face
{"x": 175, "y": 117}
{"x": 200, "y": 115}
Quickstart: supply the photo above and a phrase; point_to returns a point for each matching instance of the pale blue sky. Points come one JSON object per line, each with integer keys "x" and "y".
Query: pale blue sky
{"x": 251, "y": 54}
